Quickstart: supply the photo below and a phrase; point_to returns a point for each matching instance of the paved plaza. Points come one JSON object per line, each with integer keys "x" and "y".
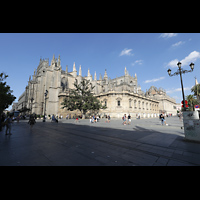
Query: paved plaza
{"x": 143, "y": 143}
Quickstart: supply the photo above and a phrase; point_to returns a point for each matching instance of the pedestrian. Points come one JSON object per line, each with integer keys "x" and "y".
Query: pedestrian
{"x": 108, "y": 119}
{"x": 124, "y": 119}
{"x": 129, "y": 119}
{"x": 54, "y": 118}
{"x": 76, "y": 120}
{"x": 163, "y": 120}
{"x": 18, "y": 117}
{"x": 8, "y": 122}
{"x": 31, "y": 120}
{"x": 95, "y": 118}
{"x": 180, "y": 117}
{"x": 91, "y": 119}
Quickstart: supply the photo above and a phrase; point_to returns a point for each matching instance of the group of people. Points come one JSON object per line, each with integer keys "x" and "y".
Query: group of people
{"x": 94, "y": 118}
{"x": 126, "y": 120}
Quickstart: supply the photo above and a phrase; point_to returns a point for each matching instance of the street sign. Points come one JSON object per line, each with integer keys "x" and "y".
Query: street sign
{"x": 196, "y": 106}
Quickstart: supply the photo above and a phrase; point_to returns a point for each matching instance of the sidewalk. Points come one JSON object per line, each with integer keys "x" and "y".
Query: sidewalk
{"x": 149, "y": 123}
{"x": 143, "y": 143}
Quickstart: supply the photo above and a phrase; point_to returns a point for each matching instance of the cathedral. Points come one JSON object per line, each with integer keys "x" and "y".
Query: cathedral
{"x": 49, "y": 85}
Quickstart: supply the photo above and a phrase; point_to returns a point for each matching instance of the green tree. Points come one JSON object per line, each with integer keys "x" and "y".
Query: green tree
{"x": 196, "y": 89}
{"x": 81, "y": 98}
{"x": 6, "y": 98}
{"x": 192, "y": 101}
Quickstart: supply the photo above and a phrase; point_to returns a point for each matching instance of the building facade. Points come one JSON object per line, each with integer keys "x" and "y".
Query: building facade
{"x": 121, "y": 95}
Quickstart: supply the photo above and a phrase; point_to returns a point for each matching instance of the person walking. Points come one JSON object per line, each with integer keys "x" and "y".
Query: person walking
{"x": 129, "y": 119}
{"x": 8, "y": 122}
{"x": 54, "y": 118}
{"x": 108, "y": 119}
{"x": 31, "y": 120}
{"x": 124, "y": 119}
{"x": 163, "y": 120}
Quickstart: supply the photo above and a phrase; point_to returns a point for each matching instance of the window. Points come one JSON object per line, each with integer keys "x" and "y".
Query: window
{"x": 118, "y": 103}
{"x": 130, "y": 103}
{"x": 139, "y": 104}
{"x": 105, "y": 102}
{"x": 143, "y": 105}
{"x": 135, "y": 103}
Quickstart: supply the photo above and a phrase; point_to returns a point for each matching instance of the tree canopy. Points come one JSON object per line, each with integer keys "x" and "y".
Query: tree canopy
{"x": 196, "y": 89}
{"x": 6, "y": 98}
{"x": 81, "y": 98}
{"x": 192, "y": 101}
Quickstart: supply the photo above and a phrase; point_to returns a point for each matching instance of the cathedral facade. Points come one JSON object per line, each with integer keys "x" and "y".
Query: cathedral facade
{"x": 121, "y": 95}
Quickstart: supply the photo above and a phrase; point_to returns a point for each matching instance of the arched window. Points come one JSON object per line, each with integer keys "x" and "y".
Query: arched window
{"x": 135, "y": 104}
{"x": 143, "y": 105}
{"x": 105, "y": 102}
{"x": 130, "y": 103}
{"x": 139, "y": 105}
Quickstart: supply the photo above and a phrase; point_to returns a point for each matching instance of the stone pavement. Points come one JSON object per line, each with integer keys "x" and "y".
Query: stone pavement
{"x": 143, "y": 143}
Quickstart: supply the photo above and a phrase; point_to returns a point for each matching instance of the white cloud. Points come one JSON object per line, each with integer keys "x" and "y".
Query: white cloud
{"x": 173, "y": 63}
{"x": 168, "y": 35}
{"x": 139, "y": 62}
{"x": 192, "y": 57}
{"x": 178, "y": 44}
{"x": 177, "y": 90}
{"x": 154, "y": 80}
{"x": 126, "y": 52}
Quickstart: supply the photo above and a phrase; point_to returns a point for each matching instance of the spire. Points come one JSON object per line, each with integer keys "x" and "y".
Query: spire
{"x": 100, "y": 77}
{"x": 74, "y": 67}
{"x": 66, "y": 69}
{"x": 74, "y": 73}
{"x": 59, "y": 60}
{"x": 88, "y": 73}
{"x": 196, "y": 82}
{"x": 135, "y": 75}
{"x": 95, "y": 76}
{"x": 80, "y": 71}
{"x": 105, "y": 75}
{"x": 53, "y": 60}
{"x": 125, "y": 71}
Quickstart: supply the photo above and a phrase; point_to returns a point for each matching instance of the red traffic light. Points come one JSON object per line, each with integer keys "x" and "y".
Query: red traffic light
{"x": 185, "y": 105}
{"x": 186, "y": 102}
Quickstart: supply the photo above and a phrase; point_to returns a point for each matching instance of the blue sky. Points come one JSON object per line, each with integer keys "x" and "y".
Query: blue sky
{"x": 149, "y": 55}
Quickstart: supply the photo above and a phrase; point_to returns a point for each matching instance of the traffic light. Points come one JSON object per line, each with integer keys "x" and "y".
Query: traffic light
{"x": 186, "y": 104}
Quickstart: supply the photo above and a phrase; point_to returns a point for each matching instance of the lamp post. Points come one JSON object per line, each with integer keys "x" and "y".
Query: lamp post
{"x": 45, "y": 94}
{"x": 181, "y": 71}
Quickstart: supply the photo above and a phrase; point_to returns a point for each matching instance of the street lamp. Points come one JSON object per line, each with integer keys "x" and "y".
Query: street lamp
{"x": 181, "y": 71}
{"x": 45, "y": 94}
